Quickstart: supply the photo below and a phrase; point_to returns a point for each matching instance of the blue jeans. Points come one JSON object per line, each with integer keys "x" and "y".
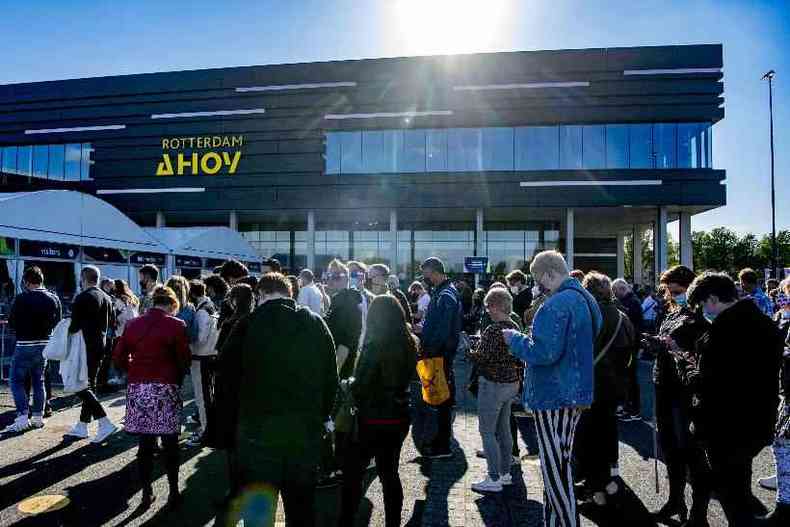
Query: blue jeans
{"x": 28, "y": 361}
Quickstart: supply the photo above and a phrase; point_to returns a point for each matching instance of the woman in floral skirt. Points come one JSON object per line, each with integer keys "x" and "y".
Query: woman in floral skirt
{"x": 153, "y": 351}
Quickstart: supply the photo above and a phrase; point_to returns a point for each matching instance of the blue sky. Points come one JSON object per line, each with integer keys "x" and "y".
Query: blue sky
{"x": 46, "y": 40}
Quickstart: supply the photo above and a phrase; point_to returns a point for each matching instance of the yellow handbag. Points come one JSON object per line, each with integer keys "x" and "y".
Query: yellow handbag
{"x": 435, "y": 390}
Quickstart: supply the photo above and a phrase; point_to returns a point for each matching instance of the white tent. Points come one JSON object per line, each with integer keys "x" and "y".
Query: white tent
{"x": 65, "y": 216}
{"x": 209, "y": 242}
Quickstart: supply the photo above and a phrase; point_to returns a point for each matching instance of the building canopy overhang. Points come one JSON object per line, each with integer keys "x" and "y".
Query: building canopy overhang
{"x": 208, "y": 242}
{"x": 69, "y": 217}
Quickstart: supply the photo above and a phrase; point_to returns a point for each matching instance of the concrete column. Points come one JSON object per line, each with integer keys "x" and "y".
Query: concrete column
{"x": 311, "y": 241}
{"x": 480, "y": 249}
{"x": 686, "y": 249}
{"x": 569, "y": 235}
{"x": 620, "y": 254}
{"x": 636, "y": 255}
{"x": 660, "y": 246}
{"x": 160, "y": 219}
{"x": 394, "y": 241}
{"x": 233, "y": 221}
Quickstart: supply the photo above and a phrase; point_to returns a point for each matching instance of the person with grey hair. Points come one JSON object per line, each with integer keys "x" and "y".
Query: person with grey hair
{"x": 499, "y": 376}
{"x": 558, "y": 384}
{"x": 633, "y": 308}
{"x": 92, "y": 313}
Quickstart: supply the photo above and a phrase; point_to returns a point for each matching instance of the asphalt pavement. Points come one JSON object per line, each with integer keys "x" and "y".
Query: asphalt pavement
{"x": 101, "y": 480}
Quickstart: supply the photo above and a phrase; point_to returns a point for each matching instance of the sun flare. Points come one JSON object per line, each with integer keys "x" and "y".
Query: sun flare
{"x": 449, "y": 26}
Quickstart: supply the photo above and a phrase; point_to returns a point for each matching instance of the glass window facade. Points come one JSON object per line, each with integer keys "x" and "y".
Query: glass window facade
{"x": 69, "y": 162}
{"x": 565, "y": 147}
{"x": 507, "y": 247}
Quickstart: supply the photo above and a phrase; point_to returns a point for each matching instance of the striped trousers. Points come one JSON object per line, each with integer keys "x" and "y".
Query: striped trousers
{"x": 556, "y": 430}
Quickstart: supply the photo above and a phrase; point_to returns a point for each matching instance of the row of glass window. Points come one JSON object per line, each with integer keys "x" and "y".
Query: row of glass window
{"x": 507, "y": 250}
{"x": 561, "y": 147}
{"x": 63, "y": 162}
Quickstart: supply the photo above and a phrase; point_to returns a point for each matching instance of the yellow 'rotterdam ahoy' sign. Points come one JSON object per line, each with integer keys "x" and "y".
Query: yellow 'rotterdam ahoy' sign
{"x": 214, "y": 153}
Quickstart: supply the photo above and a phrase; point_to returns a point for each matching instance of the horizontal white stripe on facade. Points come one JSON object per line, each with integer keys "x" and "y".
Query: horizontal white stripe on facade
{"x": 207, "y": 114}
{"x": 171, "y": 190}
{"x": 671, "y": 70}
{"x": 306, "y": 86}
{"x": 339, "y": 116}
{"x": 76, "y": 129}
{"x": 525, "y": 85}
{"x": 603, "y": 183}
{"x": 596, "y": 255}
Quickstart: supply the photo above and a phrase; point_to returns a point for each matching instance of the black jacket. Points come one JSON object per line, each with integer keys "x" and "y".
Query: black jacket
{"x": 278, "y": 366}
{"x": 34, "y": 314}
{"x": 404, "y": 303}
{"x": 735, "y": 382}
{"x": 522, "y": 302}
{"x": 381, "y": 381}
{"x": 685, "y": 327}
{"x": 633, "y": 308}
{"x": 610, "y": 370}
{"x": 92, "y": 314}
{"x": 344, "y": 319}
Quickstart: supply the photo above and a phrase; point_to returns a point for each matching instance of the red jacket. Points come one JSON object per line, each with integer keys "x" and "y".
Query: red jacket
{"x": 153, "y": 349}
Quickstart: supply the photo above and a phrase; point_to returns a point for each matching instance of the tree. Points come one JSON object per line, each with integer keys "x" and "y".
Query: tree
{"x": 724, "y": 250}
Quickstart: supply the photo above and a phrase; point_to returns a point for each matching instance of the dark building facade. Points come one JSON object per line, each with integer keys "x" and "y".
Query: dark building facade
{"x": 393, "y": 160}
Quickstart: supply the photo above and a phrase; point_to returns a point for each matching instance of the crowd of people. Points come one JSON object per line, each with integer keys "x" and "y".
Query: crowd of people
{"x": 306, "y": 382}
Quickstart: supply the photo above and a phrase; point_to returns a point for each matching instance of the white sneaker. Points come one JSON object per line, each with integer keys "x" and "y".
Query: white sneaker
{"x": 20, "y": 424}
{"x": 106, "y": 429}
{"x": 488, "y": 485}
{"x": 37, "y": 422}
{"x": 507, "y": 479}
{"x": 768, "y": 483}
{"x": 79, "y": 431}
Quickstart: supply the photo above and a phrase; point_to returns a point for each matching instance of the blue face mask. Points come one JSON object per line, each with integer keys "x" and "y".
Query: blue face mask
{"x": 710, "y": 317}
{"x": 680, "y": 299}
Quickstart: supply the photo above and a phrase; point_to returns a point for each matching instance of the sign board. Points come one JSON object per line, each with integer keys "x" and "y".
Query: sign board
{"x": 200, "y": 156}
{"x": 148, "y": 258}
{"x": 33, "y": 249}
{"x": 100, "y": 254}
{"x": 189, "y": 261}
{"x": 476, "y": 264}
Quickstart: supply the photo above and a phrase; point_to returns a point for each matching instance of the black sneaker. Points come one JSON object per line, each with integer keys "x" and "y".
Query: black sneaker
{"x": 440, "y": 454}
{"x": 629, "y": 417}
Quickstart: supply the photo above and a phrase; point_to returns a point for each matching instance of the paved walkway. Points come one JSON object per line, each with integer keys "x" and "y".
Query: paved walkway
{"x": 101, "y": 480}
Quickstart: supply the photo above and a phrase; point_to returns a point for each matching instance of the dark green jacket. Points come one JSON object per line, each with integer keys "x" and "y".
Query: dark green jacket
{"x": 284, "y": 361}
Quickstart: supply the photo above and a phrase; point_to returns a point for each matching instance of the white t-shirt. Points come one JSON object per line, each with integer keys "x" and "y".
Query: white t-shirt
{"x": 310, "y": 296}
{"x": 422, "y": 303}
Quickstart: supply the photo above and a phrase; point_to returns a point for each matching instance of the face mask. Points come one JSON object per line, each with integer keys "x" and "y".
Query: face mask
{"x": 514, "y": 289}
{"x": 680, "y": 299}
{"x": 710, "y": 317}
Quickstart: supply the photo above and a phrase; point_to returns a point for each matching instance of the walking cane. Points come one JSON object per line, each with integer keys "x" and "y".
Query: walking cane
{"x": 655, "y": 444}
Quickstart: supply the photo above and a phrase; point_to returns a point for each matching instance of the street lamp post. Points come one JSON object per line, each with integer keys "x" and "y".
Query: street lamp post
{"x": 774, "y": 250}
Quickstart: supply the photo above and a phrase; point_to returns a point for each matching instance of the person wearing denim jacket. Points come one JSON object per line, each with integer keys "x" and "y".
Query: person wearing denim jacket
{"x": 558, "y": 383}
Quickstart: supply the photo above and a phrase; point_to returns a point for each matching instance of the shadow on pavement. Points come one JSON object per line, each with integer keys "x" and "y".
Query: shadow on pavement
{"x": 639, "y": 436}
{"x": 629, "y": 511}
{"x": 512, "y": 506}
{"x": 86, "y": 509}
{"x": 55, "y": 470}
